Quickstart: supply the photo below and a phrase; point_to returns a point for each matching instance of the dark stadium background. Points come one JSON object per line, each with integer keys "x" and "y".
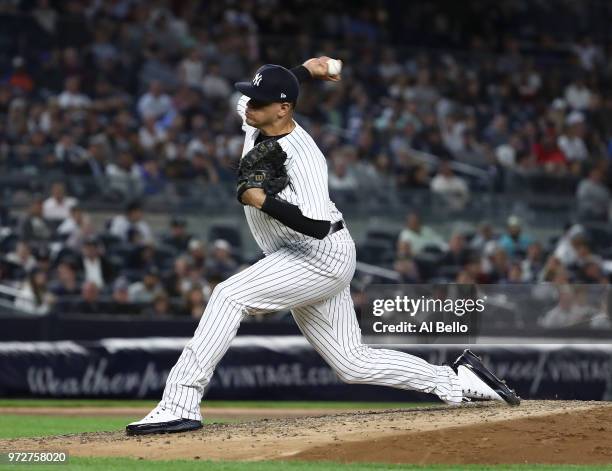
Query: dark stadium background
{"x": 468, "y": 142}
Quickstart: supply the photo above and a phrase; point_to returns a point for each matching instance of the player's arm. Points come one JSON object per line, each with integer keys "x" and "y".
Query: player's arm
{"x": 241, "y": 110}
{"x": 288, "y": 214}
{"x": 316, "y": 68}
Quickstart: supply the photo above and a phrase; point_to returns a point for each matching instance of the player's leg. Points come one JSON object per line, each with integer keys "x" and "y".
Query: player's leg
{"x": 332, "y": 329}
{"x": 279, "y": 281}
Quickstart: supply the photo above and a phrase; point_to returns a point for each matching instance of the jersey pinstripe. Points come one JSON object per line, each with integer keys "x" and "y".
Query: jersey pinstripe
{"x": 307, "y": 170}
{"x": 307, "y": 276}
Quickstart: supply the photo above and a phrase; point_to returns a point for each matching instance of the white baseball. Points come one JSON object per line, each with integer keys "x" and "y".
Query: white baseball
{"x": 334, "y": 67}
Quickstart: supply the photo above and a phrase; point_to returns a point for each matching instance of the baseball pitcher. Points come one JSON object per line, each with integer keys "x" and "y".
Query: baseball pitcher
{"x": 307, "y": 269}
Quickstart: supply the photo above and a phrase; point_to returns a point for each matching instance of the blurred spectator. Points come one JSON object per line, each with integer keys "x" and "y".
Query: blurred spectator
{"x": 151, "y": 133}
{"x": 484, "y": 235}
{"x": 71, "y": 156}
{"x": 584, "y": 256}
{"x": 142, "y": 257}
{"x": 471, "y": 151}
{"x": 203, "y": 169}
{"x": 566, "y": 250}
{"x": 179, "y": 237}
{"x": 578, "y": 95}
{"x": 571, "y": 142}
{"x": 152, "y": 178}
{"x": 155, "y": 103}
{"x": 146, "y": 290}
{"x": 90, "y": 301}
{"x": 197, "y": 254}
{"x": 197, "y": 277}
{"x": 407, "y": 269}
{"x": 57, "y": 207}
{"x": 194, "y": 302}
{"x": 458, "y": 252}
{"x": 43, "y": 259}
{"x": 123, "y": 177}
{"x": 34, "y": 227}
{"x": 191, "y": 69}
{"x": 515, "y": 273}
{"x": 453, "y": 189}
{"x": 420, "y": 237}
{"x": 472, "y": 272}
{"x": 214, "y": 85}
{"x": 45, "y": 16}
{"x": 212, "y": 281}
{"x": 72, "y": 97}
{"x": 121, "y": 303}
{"x": 589, "y": 54}
{"x": 591, "y": 271}
{"x": 497, "y": 265}
{"x": 221, "y": 260}
{"x": 533, "y": 263}
{"x": 497, "y": 132}
{"x": 34, "y": 296}
{"x": 429, "y": 140}
{"x": 95, "y": 268}
{"x": 160, "y": 307}
{"x": 593, "y": 196}
{"x": 76, "y": 228}
{"x": 514, "y": 241}
{"x": 132, "y": 221}
{"x": 404, "y": 263}
{"x": 66, "y": 283}
{"x": 177, "y": 283}
{"x": 22, "y": 257}
{"x": 20, "y": 79}
{"x": 548, "y": 153}
{"x": 566, "y": 313}
{"x": 341, "y": 177}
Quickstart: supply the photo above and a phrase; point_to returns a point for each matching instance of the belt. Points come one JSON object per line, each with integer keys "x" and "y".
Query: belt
{"x": 336, "y": 226}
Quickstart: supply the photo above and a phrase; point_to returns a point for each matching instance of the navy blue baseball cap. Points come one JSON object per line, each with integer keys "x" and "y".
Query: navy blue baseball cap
{"x": 271, "y": 83}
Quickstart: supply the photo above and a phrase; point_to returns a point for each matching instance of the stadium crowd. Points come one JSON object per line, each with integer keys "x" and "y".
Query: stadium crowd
{"x": 126, "y": 101}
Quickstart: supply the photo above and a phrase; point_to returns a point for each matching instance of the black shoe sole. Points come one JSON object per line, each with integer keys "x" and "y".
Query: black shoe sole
{"x": 176, "y": 426}
{"x": 468, "y": 359}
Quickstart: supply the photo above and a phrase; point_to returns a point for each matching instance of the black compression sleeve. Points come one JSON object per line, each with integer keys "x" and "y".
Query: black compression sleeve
{"x": 291, "y": 216}
{"x": 301, "y": 73}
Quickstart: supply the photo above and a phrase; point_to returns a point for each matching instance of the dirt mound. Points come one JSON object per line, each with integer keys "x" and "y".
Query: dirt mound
{"x": 535, "y": 432}
{"x": 565, "y": 438}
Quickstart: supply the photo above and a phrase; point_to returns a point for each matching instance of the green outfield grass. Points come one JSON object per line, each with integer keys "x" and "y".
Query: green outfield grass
{"x": 14, "y": 426}
{"x": 249, "y": 404}
{"x": 129, "y": 464}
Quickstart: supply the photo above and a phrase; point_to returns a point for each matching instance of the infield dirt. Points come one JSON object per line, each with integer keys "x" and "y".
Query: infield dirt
{"x": 554, "y": 432}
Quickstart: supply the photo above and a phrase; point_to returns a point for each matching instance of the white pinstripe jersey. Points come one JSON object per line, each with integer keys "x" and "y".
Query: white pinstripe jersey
{"x": 308, "y": 189}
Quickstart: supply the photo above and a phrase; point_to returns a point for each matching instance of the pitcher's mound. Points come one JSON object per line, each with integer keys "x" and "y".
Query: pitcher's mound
{"x": 553, "y": 432}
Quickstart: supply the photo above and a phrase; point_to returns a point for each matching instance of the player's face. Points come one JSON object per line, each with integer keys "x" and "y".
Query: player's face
{"x": 259, "y": 114}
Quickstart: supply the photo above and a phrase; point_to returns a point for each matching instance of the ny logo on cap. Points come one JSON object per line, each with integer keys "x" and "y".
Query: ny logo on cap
{"x": 257, "y": 80}
{"x": 283, "y": 95}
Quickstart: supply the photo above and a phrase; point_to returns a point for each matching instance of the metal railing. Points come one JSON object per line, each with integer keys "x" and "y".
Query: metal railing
{"x": 9, "y": 301}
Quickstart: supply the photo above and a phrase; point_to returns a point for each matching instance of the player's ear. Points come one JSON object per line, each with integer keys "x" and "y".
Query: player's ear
{"x": 285, "y": 109}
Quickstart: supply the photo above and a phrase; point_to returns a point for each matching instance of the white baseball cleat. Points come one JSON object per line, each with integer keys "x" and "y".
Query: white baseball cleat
{"x": 475, "y": 388}
{"x": 478, "y": 382}
{"x": 161, "y": 420}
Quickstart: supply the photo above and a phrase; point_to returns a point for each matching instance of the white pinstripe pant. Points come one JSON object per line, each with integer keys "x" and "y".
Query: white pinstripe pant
{"x": 312, "y": 279}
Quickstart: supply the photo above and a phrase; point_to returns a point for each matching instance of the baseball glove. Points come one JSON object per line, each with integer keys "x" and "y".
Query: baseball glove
{"x": 263, "y": 167}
